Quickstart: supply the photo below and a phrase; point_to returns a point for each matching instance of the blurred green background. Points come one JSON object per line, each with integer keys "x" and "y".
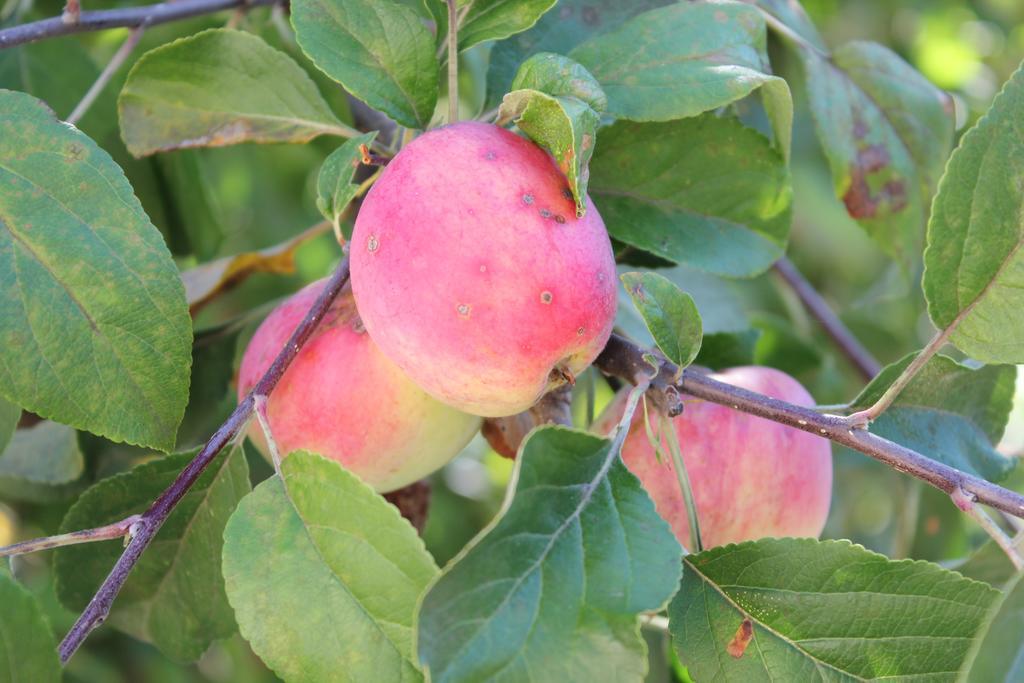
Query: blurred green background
{"x": 218, "y": 202}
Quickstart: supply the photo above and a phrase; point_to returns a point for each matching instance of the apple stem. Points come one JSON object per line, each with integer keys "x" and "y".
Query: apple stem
{"x": 453, "y": 62}
{"x": 259, "y": 402}
{"x": 116, "y": 530}
{"x": 845, "y": 341}
{"x": 862, "y": 418}
{"x": 620, "y": 355}
{"x": 967, "y": 502}
{"x": 149, "y": 523}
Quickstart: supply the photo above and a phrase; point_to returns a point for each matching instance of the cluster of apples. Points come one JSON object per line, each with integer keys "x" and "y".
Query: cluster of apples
{"x": 479, "y": 290}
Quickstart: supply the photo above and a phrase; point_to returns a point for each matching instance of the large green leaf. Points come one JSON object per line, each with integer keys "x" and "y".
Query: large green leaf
{"x": 379, "y": 50}
{"x": 559, "y": 31}
{"x": 28, "y": 652}
{"x": 722, "y": 205}
{"x": 40, "y": 463}
{"x": 951, "y": 412}
{"x": 219, "y": 87}
{"x": 685, "y": 59}
{"x": 974, "y": 264}
{"x": 670, "y": 314}
{"x": 174, "y": 598}
{"x": 324, "y": 575}
{"x": 998, "y": 651}
{"x": 496, "y": 19}
{"x": 334, "y": 188}
{"x": 558, "y": 104}
{"x": 94, "y": 330}
{"x": 551, "y": 590}
{"x": 886, "y": 132}
{"x": 807, "y": 610}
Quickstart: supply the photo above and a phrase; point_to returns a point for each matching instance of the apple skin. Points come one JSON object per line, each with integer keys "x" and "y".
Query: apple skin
{"x": 751, "y": 477}
{"x": 473, "y": 274}
{"x": 342, "y": 398}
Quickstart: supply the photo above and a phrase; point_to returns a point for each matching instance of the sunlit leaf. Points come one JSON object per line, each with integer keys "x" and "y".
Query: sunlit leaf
{"x": 324, "y": 575}
{"x": 974, "y": 264}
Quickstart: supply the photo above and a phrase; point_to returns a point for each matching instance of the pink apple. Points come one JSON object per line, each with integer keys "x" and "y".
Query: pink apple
{"x": 473, "y": 274}
{"x": 342, "y": 398}
{"x": 750, "y": 477}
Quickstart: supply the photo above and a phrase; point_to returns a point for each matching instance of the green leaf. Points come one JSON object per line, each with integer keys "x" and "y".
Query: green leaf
{"x": 558, "y": 105}
{"x": 174, "y": 598}
{"x": 974, "y": 264}
{"x": 9, "y": 416}
{"x": 324, "y": 575}
{"x": 219, "y": 87}
{"x": 808, "y": 610}
{"x": 334, "y": 188}
{"x": 952, "y": 412}
{"x": 722, "y": 205}
{"x": 28, "y": 652}
{"x": 886, "y": 132}
{"x": 496, "y": 19}
{"x": 551, "y": 590}
{"x": 94, "y": 330}
{"x": 573, "y": 22}
{"x": 998, "y": 650}
{"x": 686, "y": 59}
{"x": 379, "y": 50}
{"x": 40, "y": 463}
{"x": 670, "y": 314}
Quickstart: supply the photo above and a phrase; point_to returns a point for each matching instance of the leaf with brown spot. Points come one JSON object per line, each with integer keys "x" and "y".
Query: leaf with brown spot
{"x": 744, "y": 634}
{"x": 886, "y": 132}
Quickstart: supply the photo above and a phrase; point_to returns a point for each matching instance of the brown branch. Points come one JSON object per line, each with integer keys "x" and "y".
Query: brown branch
{"x": 621, "y": 354}
{"x": 128, "y": 17}
{"x": 854, "y": 351}
{"x": 152, "y": 519}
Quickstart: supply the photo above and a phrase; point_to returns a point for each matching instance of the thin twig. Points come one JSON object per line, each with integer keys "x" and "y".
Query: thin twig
{"x": 851, "y": 347}
{"x": 259, "y": 406}
{"x": 103, "y": 533}
{"x": 153, "y": 518}
{"x": 967, "y": 502}
{"x": 862, "y": 418}
{"x": 128, "y": 17}
{"x": 683, "y": 479}
{"x": 108, "y": 72}
{"x": 621, "y": 354}
{"x": 453, "y": 62}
